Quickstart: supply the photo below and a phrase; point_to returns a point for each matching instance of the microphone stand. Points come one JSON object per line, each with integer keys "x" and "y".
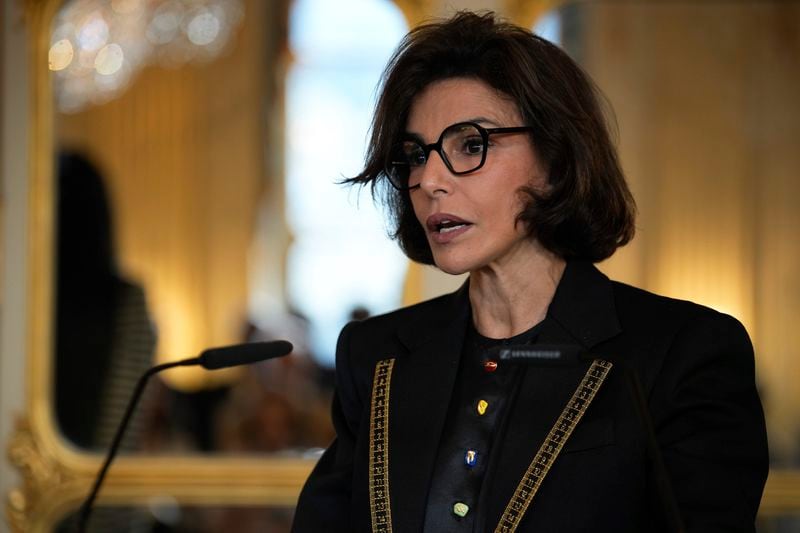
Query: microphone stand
{"x": 86, "y": 508}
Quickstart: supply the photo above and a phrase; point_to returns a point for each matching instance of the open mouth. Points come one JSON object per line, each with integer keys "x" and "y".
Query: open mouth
{"x": 446, "y": 226}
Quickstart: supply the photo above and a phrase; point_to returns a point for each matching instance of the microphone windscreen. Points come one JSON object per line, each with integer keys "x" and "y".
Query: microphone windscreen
{"x": 243, "y": 354}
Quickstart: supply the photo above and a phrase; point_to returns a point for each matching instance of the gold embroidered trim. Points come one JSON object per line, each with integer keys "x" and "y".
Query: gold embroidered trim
{"x": 551, "y": 447}
{"x": 379, "y": 448}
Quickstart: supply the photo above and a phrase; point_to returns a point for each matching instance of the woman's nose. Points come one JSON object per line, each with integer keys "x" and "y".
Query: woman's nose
{"x": 435, "y": 177}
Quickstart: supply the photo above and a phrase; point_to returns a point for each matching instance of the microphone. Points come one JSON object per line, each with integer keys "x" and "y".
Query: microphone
{"x": 210, "y": 359}
{"x": 243, "y": 354}
{"x": 546, "y": 355}
{"x": 565, "y": 355}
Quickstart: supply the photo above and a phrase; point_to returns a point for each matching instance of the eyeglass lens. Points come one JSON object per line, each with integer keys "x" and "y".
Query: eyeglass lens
{"x": 462, "y": 147}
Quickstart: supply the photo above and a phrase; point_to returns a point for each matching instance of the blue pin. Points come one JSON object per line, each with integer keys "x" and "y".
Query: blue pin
{"x": 471, "y": 458}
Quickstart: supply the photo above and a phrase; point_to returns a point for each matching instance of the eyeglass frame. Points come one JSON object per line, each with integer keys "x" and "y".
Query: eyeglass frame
{"x": 437, "y": 147}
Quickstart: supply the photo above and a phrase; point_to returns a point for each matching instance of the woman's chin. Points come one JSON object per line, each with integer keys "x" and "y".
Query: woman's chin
{"x": 450, "y": 266}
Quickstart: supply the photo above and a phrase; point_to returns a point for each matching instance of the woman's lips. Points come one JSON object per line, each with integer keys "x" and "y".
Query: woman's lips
{"x": 443, "y": 227}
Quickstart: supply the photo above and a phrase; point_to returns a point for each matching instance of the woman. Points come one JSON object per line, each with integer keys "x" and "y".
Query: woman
{"x": 500, "y": 165}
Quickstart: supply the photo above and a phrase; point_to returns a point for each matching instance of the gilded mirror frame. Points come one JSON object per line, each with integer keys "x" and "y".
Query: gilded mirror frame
{"x": 57, "y": 476}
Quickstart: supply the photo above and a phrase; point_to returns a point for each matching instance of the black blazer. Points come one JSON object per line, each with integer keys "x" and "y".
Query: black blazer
{"x": 697, "y": 369}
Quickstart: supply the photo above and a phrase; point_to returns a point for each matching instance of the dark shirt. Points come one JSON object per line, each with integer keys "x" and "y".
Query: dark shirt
{"x": 471, "y": 428}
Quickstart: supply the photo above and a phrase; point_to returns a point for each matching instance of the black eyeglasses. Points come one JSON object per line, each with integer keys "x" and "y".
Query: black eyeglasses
{"x": 462, "y": 147}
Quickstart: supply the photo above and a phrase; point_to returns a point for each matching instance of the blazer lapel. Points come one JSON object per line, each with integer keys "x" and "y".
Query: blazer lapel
{"x": 581, "y": 313}
{"x": 584, "y": 307}
{"x": 421, "y": 389}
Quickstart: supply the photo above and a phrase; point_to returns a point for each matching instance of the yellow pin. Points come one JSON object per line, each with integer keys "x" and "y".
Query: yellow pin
{"x": 482, "y": 406}
{"x": 461, "y": 509}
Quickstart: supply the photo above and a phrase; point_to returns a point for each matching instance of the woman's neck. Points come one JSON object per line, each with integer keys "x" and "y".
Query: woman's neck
{"x": 510, "y": 299}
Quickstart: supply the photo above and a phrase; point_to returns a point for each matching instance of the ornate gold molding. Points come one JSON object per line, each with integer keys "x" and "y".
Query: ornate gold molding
{"x": 53, "y": 486}
{"x": 44, "y": 480}
{"x": 42, "y": 474}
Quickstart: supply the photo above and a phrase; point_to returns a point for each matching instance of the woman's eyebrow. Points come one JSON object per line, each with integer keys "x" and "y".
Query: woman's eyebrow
{"x": 481, "y": 120}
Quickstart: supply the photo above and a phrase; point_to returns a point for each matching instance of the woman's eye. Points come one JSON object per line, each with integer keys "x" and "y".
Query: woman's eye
{"x": 414, "y": 154}
{"x": 473, "y": 146}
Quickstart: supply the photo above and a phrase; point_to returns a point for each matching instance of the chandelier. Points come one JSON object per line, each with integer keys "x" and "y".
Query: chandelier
{"x": 98, "y": 46}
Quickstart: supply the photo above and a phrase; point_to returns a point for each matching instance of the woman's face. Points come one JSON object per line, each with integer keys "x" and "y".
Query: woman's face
{"x": 470, "y": 220}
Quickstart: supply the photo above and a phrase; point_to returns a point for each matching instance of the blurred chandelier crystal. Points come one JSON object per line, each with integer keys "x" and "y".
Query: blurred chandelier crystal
{"x": 98, "y": 46}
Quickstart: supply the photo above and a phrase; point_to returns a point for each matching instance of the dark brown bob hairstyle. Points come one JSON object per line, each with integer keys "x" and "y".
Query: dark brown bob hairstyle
{"x": 588, "y": 210}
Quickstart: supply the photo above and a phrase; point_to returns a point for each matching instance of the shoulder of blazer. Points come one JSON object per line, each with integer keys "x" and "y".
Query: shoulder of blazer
{"x": 655, "y": 316}
{"x": 668, "y": 339}
{"x": 362, "y": 344}
{"x": 413, "y": 325}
